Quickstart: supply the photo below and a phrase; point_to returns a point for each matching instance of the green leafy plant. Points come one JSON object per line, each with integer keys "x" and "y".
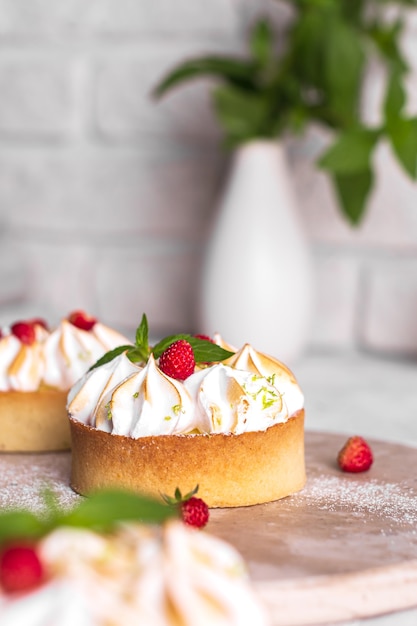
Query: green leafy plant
{"x": 204, "y": 351}
{"x": 319, "y": 77}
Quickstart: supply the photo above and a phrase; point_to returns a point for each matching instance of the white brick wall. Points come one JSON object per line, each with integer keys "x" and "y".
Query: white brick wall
{"x": 106, "y": 196}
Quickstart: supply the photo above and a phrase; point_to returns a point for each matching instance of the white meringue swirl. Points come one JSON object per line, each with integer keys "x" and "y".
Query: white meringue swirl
{"x": 251, "y": 392}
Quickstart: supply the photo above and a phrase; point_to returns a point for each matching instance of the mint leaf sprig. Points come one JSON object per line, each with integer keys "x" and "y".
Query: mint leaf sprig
{"x": 101, "y": 512}
{"x": 204, "y": 351}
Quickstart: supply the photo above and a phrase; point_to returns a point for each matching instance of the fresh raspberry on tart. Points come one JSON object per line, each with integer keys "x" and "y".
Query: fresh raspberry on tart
{"x": 82, "y": 320}
{"x": 178, "y": 360}
{"x": 24, "y": 331}
{"x": 39, "y": 321}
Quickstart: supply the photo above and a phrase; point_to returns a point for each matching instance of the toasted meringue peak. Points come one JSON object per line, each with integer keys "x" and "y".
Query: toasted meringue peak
{"x": 92, "y": 392}
{"x": 21, "y": 366}
{"x": 148, "y": 403}
{"x": 234, "y": 401}
{"x": 276, "y": 372}
{"x": 70, "y": 351}
{"x": 218, "y": 339}
{"x": 56, "y": 359}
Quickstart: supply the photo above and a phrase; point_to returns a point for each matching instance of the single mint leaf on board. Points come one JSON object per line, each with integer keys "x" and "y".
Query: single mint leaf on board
{"x": 104, "y": 509}
{"x": 142, "y": 335}
{"x": 21, "y": 525}
{"x": 208, "y": 352}
{"x": 112, "y": 354}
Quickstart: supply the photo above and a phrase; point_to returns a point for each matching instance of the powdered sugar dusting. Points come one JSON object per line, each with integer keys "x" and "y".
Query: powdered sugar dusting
{"x": 24, "y": 478}
{"x": 370, "y": 498}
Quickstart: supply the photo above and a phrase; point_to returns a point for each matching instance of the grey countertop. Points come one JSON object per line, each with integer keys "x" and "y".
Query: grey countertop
{"x": 365, "y": 394}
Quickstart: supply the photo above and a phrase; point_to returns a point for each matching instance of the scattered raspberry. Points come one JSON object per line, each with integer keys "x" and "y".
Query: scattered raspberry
{"x": 178, "y": 360}
{"x": 82, "y": 320}
{"x": 20, "y": 568}
{"x": 195, "y": 512}
{"x": 355, "y": 456}
{"x": 24, "y": 331}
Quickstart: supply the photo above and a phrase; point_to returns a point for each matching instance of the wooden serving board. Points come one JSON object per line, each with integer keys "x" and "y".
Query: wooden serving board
{"x": 343, "y": 548}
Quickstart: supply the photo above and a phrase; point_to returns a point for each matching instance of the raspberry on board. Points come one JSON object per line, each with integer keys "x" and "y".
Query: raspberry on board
{"x": 355, "y": 456}
{"x": 195, "y": 512}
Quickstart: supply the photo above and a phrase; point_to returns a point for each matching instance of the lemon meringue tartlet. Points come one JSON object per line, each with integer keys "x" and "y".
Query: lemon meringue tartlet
{"x": 37, "y": 368}
{"x": 235, "y": 428}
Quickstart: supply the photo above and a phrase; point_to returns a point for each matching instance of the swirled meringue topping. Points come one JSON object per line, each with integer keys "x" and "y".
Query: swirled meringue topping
{"x": 155, "y": 576}
{"x": 274, "y": 371}
{"x": 123, "y": 398}
{"x": 54, "y": 359}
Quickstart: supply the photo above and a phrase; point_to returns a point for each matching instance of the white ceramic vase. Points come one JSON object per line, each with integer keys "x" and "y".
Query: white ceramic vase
{"x": 257, "y": 278}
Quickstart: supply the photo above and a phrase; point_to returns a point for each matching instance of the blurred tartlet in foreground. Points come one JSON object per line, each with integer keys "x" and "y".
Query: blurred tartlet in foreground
{"x": 98, "y": 565}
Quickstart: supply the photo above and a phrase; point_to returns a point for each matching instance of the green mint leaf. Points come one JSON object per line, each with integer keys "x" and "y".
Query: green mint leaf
{"x": 162, "y": 345}
{"x": 208, "y": 352}
{"x": 101, "y": 511}
{"x": 138, "y": 355}
{"x": 353, "y": 190}
{"x": 112, "y": 354}
{"x": 142, "y": 335}
{"x": 104, "y": 509}
{"x": 20, "y": 525}
{"x": 204, "y": 351}
{"x": 351, "y": 152}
